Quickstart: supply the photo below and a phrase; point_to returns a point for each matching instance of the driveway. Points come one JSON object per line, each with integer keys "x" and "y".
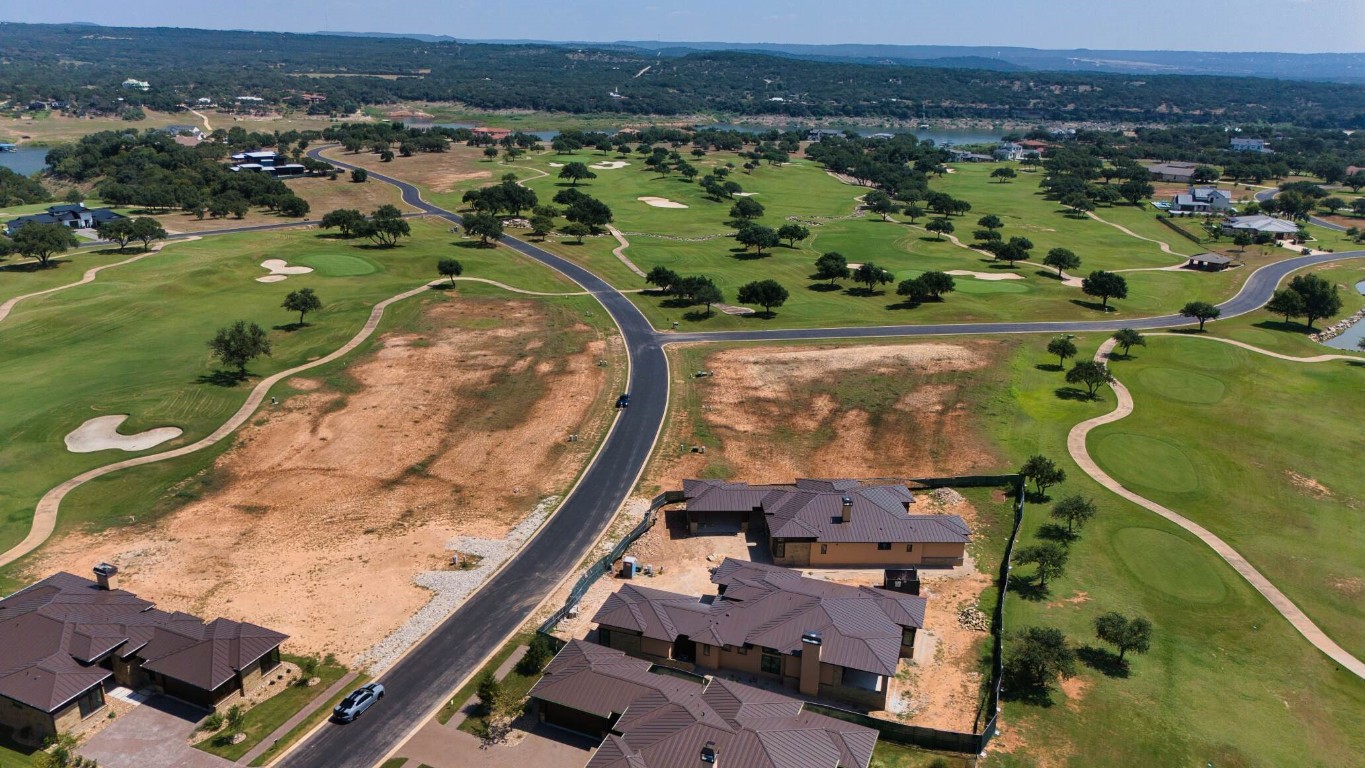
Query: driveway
{"x": 154, "y": 735}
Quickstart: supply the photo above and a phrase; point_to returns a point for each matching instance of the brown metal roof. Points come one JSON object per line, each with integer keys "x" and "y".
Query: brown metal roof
{"x": 53, "y": 633}
{"x": 813, "y": 510}
{"x": 770, "y": 606}
{"x": 665, "y": 721}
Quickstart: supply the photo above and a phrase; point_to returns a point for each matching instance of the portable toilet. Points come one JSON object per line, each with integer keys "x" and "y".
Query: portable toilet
{"x": 628, "y": 567}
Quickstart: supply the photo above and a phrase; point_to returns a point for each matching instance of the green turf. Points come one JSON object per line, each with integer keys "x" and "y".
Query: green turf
{"x": 339, "y": 264}
{"x": 262, "y": 719}
{"x": 1169, "y": 564}
{"x": 321, "y": 713}
{"x": 1147, "y": 462}
{"x": 1183, "y": 385}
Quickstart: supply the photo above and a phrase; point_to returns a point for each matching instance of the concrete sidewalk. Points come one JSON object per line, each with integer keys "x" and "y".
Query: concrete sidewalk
{"x": 289, "y": 725}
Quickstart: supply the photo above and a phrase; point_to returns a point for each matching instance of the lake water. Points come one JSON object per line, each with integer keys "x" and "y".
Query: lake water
{"x": 24, "y": 160}
{"x": 939, "y": 136}
{"x": 1351, "y": 338}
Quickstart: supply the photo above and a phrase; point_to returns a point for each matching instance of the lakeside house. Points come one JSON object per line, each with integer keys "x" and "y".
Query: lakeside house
{"x": 829, "y": 523}
{"x": 821, "y": 638}
{"x": 65, "y": 638}
{"x": 265, "y": 161}
{"x": 72, "y": 215}
{"x": 646, "y": 716}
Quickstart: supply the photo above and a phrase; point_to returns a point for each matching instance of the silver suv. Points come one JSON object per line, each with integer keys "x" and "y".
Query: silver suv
{"x": 358, "y": 701}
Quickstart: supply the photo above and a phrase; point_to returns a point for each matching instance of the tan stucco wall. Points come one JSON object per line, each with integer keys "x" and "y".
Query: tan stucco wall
{"x": 867, "y": 555}
{"x": 797, "y": 554}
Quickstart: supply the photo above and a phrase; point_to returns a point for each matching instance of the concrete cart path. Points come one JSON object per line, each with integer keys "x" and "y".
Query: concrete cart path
{"x": 1076, "y": 445}
{"x": 1266, "y": 352}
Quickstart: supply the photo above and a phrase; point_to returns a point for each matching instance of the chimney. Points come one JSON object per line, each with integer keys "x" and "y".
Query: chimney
{"x": 107, "y": 575}
{"x": 848, "y": 509}
{"x": 708, "y": 753}
{"x": 810, "y": 663}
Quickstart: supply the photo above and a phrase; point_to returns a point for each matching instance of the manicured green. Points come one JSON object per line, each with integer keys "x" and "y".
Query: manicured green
{"x": 262, "y": 719}
{"x": 339, "y": 264}
{"x": 457, "y": 701}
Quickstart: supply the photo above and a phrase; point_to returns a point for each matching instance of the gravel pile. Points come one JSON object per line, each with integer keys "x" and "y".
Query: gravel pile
{"x": 450, "y": 588}
{"x": 972, "y": 618}
{"x": 946, "y": 496}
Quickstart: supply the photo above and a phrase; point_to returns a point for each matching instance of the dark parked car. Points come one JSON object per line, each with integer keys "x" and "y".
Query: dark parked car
{"x": 623, "y": 401}
{"x": 358, "y": 701}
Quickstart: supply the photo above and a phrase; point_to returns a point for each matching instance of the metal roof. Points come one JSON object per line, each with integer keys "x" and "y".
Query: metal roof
{"x": 665, "y": 721}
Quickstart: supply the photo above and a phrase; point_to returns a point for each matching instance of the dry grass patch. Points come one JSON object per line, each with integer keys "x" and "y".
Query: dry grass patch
{"x": 438, "y": 172}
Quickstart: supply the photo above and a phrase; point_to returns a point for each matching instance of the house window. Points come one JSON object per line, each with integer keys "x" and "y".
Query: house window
{"x": 91, "y": 702}
{"x": 743, "y": 650}
{"x": 909, "y": 547}
{"x": 779, "y": 548}
{"x": 824, "y": 549}
{"x": 884, "y": 546}
{"x": 706, "y": 650}
{"x": 771, "y": 664}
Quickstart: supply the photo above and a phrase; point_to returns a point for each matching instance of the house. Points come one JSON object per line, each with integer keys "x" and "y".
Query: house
{"x": 496, "y": 134}
{"x": 1261, "y": 225}
{"x": 184, "y": 130}
{"x": 1352, "y": 170}
{"x": 649, "y": 717}
{"x": 830, "y": 523}
{"x": 204, "y": 101}
{"x": 73, "y": 215}
{"x": 1182, "y": 172}
{"x": 821, "y": 638}
{"x": 1209, "y": 262}
{"x": 5, "y": 147}
{"x": 1249, "y": 145}
{"x": 963, "y": 156}
{"x": 249, "y": 99}
{"x": 1201, "y": 200}
{"x": 136, "y": 85}
{"x": 820, "y": 134}
{"x": 65, "y": 638}
{"x": 1009, "y": 150}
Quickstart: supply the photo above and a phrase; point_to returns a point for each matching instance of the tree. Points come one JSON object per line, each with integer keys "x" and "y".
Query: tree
{"x": 1060, "y": 259}
{"x": 880, "y": 203}
{"x": 914, "y": 290}
{"x": 384, "y": 226}
{"x": 1037, "y": 657}
{"x": 663, "y": 278}
{"x": 1043, "y": 471}
{"x": 1332, "y": 204}
{"x": 1075, "y": 510}
{"x": 1129, "y": 338}
{"x": 589, "y": 211}
{"x": 871, "y": 275}
{"x": 1355, "y": 181}
{"x": 1092, "y": 373}
{"x": 1321, "y": 299}
{"x": 118, "y": 231}
{"x": 1204, "y": 174}
{"x": 490, "y": 693}
{"x": 1078, "y": 203}
{"x": 1358, "y": 205}
{"x": 1201, "y": 311}
{"x": 1286, "y": 302}
{"x": 295, "y": 207}
{"x": 831, "y": 266}
{"x": 1017, "y": 249}
{"x": 360, "y": 175}
{"x": 576, "y": 230}
{"x": 450, "y": 268}
{"x": 1136, "y": 191}
{"x": 542, "y": 226}
{"x": 1048, "y": 557}
{"x": 1004, "y": 173}
{"x": 576, "y": 172}
{"x": 239, "y": 344}
{"x": 1105, "y": 285}
{"x": 303, "y": 301}
{"x": 708, "y": 293}
{"x": 990, "y": 221}
{"x": 746, "y": 209}
{"x": 147, "y": 229}
{"x": 484, "y": 226}
{"x": 347, "y": 220}
{"x": 792, "y": 233}
{"x": 912, "y": 212}
{"x": 1124, "y": 633}
{"x": 765, "y": 293}
{"x": 1242, "y": 240}
{"x": 43, "y": 241}
{"x": 937, "y": 283}
{"x": 1063, "y": 348}
{"x": 538, "y": 654}
{"x": 490, "y": 152}
{"x": 940, "y": 226}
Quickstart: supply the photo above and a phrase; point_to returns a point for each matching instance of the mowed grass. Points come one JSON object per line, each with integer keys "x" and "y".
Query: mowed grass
{"x": 134, "y": 342}
{"x": 261, "y": 720}
{"x": 1212, "y": 438}
{"x": 1227, "y": 682}
{"x": 1269, "y": 331}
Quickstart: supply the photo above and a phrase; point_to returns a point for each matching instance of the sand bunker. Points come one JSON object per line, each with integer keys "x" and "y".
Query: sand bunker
{"x": 280, "y": 270}
{"x": 101, "y": 433}
{"x": 556, "y": 165}
{"x": 660, "y": 202}
{"x": 987, "y": 275}
{"x": 609, "y": 165}
{"x": 745, "y": 194}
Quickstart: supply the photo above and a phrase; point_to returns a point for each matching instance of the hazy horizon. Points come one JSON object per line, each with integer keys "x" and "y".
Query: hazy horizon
{"x": 1242, "y": 26}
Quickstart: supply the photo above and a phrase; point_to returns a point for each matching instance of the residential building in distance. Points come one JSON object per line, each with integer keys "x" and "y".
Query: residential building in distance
{"x": 1209, "y": 262}
{"x": 184, "y": 130}
{"x": 136, "y": 85}
{"x": 72, "y": 215}
{"x": 266, "y": 161}
{"x": 1261, "y": 225}
{"x": 1249, "y": 145}
{"x": 647, "y": 717}
{"x": 1202, "y": 200}
{"x": 821, "y": 638}
{"x": 1181, "y": 172}
{"x": 63, "y": 639}
{"x": 830, "y": 523}
{"x": 1008, "y": 150}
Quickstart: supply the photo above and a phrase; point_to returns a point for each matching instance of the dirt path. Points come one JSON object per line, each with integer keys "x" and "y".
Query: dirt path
{"x": 45, "y": 515}
{"x": 207, "y": 128}
{"x": 89, "y": 277}
{"x": 1076, "y": 445}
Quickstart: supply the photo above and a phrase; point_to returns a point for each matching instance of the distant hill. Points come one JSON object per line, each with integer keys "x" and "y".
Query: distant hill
{"x": 391, "y": 35}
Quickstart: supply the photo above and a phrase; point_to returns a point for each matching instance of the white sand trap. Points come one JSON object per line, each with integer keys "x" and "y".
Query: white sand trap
{"x": 987, "y": 275}
{"x": 852, "y": 265}
{"x": 279, "y": 270}
{"x": 660, "y": 202}
{"x": 609, "y": 165}
{"x": 101, "y": 433}
{"x": 556, "y": 165}
{"x": 745, "y": 194}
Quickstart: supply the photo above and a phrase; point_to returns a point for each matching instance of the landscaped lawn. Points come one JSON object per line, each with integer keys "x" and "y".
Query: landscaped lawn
{"x": 321, "y": 713}
{"x": 1269, "y": 331}
{"x": 134, "y": 342}
{"x": 262, "y": 719}
{"x": 471, "y": 686}
{"x": 1263, "y": 452}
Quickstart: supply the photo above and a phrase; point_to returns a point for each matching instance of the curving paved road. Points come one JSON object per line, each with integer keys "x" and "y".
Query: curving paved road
{"x": 1265, "y": 195}
{"x": 422, "y": 679}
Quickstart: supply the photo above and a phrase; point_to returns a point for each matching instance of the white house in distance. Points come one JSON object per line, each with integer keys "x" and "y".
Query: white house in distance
{"x": 1261, "y": 225}
{"x": 136, "y": 85}
{"x": 1202, "y": 200}
{"x": 1249, "y": 145}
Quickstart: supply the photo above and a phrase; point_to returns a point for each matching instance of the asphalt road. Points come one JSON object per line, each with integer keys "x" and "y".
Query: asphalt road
{"x": 422, "y": 679}
{"x": 1265, "y": 195}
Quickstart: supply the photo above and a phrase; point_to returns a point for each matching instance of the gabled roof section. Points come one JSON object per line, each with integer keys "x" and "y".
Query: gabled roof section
{"x": 666, "y": 721}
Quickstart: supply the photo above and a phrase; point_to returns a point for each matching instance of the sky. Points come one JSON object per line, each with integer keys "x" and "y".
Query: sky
{"x": 1301, "y": 26}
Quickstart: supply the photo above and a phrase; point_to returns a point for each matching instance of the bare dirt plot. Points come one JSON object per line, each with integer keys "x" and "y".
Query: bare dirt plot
{"x": 318, "y": 519}
{"x": 459, "y": 167}
{"x": 322, "y": 194}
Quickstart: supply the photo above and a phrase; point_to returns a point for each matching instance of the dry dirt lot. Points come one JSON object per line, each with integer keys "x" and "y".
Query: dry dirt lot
{"x": 322, "y": 194}
{"x": 55, "y": 129}
{"x": 459, "y": 168}
{"x": 324, "y": 510}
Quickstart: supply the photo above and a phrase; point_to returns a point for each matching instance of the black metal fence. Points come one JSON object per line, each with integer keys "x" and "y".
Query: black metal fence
{"x": 898, "y": 733}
